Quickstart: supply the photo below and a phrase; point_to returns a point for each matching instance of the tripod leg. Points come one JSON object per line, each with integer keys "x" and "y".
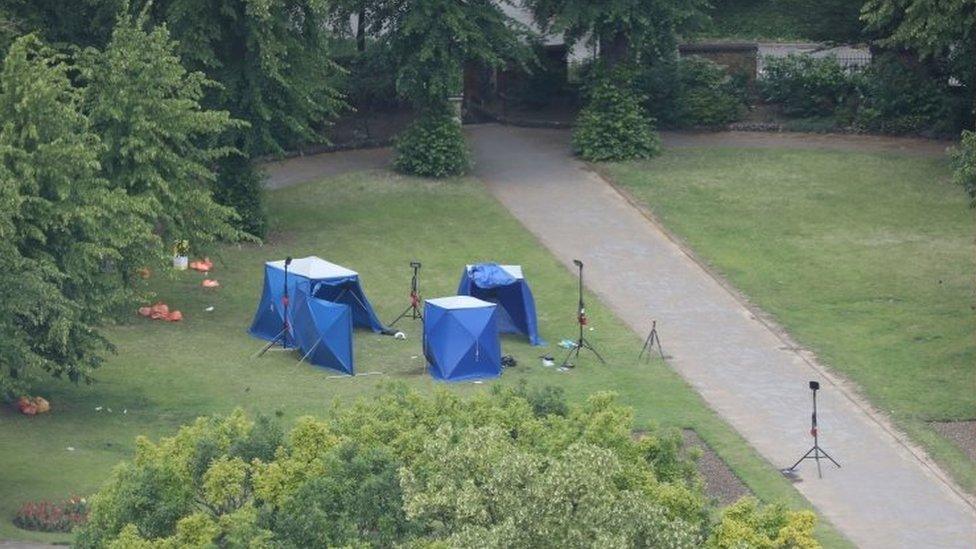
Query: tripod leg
{"x": 271, "y": 343}
{"x": 805, "y": 456}
{"x": 648, "y": 343}
{"x": 403, "y": 314}
{"x": 585, "y": 343}
{"x": 826, "y": 455}
{"x": 660, "y": 349}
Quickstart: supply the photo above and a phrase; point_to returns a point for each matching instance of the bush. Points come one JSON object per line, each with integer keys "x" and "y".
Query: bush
{"x": 805, "y": 86}
{"x": 747, "y": 524}
{"x": 897, "y": 97}
{"x": 964, "y": 163}
{"x": 240, "y": 185}
{"x": 370, "y": 83}
{"x": 614, "y": 125}
{"x": 46, "y": 516}
{"x": 432, "y": 146}
{"x": 707, "y": 95}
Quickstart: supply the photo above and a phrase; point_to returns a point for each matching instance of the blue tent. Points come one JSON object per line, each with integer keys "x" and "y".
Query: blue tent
{"x": 318, "y": 278}
{"x": 323, "y": 332}
{"x": 504, "y": 285}
{"x": 461, "y": 339}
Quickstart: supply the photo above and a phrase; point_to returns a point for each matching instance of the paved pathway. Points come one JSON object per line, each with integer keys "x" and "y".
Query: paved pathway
{"x": 884, "y": 496}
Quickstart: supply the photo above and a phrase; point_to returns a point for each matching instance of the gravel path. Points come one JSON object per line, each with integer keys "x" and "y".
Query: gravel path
{"x": 886, "y": 495}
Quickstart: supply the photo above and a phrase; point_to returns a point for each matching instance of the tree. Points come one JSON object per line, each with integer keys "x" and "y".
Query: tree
{"x": 66, "y": 229}
{"x": 271, "y": 59}
{"x": 158, "y": 140}
{"x": 405, "y": 469}
{"x": 942, "y": 31}
{"x": 431, "y": 41}
{"x": 623, "y": 30}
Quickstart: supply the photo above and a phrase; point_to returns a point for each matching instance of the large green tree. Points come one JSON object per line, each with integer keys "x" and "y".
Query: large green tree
{"x": 66, "y": 229}
{"x": 159, "y": 144}
{"x": 943, "y": 31}
{"x": 623, "y": 30}
{"x": 502, "y": 469}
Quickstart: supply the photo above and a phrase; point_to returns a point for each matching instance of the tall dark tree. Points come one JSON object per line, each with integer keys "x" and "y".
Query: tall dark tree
{"x": 623, "y": 30}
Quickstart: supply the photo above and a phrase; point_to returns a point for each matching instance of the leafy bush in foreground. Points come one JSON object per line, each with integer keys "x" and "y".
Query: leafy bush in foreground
{"x": 964, "y": 163}
{"x": 707, "y": 95}
{"x": 614, "y": 126}
{"x": 805, "y": 86}
{"x": 432, "y": 146}
{"x": 405, "y": 469}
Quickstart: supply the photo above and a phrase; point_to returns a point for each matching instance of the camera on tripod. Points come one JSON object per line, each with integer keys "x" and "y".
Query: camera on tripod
{"x": 815, "y": 385}
{"x": 415, "y": 264}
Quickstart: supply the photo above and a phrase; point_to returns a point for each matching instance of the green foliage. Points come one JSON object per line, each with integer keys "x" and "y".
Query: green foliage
{"x": 80, "y": 23}
{"x": 707, "y": 95}
{"x": 778, "y": 20}
{"x": 402, "y": 468}
{"x": 964, "y": 164}
{"x": 370, "y": 83}
{"x": 432, "y": 146}
{"x": 748, "y": 524}
{"x": 804, "y": 85}
{"x": 65, "y": 229}
{"x": 942, "y": 31}
{"x": 240, "y": 184}
{"x": 146, "y": 108}
{"x": 271, "y": 59}
{"x": 625, "y": 30}
{"x": 431, "y": 40}
{"x": 614, "y": 126}
{"x": 898, "y": 97}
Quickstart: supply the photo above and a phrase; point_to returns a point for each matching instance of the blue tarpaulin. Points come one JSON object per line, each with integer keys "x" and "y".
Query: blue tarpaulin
{"x": 318, "y": 278}
{"x": 323, "y": 332}
{"x": 461, "y": 339}
{"x": 506, "y": 286}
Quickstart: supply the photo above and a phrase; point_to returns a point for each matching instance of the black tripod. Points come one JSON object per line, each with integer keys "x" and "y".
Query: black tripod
{"x": 413, "y": 310}
{"x": 815, "y": 453}
{"x": 581, "y": 343}
{"x": 283, "y": 334}
{"x": 652, "y": 338}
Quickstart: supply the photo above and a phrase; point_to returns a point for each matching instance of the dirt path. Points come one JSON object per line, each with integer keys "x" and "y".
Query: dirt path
{"x": 884, "y": 496}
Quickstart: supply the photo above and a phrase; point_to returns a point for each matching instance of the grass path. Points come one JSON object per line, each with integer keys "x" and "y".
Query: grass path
{"x": 866, "y": 258}
{"x": 166, "y": 374}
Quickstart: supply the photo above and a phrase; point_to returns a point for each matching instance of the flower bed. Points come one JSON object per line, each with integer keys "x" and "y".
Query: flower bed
{"x": 47, "y": 516}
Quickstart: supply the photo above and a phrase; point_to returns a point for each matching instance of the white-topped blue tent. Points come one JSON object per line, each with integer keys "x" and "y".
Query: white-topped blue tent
{"x": 461, "y": 339}
{"x": 318, "y": 278}
{"x": 506, "y": 286}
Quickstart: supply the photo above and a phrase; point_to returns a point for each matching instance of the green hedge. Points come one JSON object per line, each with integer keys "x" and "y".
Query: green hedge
{"x": 433, "y": 146}
{"x": 614, "y": 126}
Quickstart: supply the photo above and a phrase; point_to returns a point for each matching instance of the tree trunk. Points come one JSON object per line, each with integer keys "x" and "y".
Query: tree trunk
{"x": 614, "y": 49}
{"x": 361, "y": 28}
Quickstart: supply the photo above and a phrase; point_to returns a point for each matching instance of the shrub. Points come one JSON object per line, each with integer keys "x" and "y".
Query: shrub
{"x": 707, "y": 95}
{"x": 240, "y": 185}
{"x": 805, "y": 86}
{"x": 897, "y": 97}
{"x": 614, "y": 125}
{"x": 747, "y": 524}
{"x": 964, "y": 163}
{"x": 45, "y": 516}
{"x": 370, "y": 83}
{"x": 432, "y": 146}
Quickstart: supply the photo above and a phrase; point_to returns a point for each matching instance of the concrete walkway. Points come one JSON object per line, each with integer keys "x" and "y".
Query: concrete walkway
{"x": 884, "y": 496}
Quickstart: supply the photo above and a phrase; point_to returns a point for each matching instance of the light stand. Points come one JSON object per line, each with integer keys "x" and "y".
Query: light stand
{"x": 413, "y": 310}
{"x": 581, "y": 343}
{"x": 283, "y": 334}
{"x": 652, "y": 338}
{"x": 815, "y": 453}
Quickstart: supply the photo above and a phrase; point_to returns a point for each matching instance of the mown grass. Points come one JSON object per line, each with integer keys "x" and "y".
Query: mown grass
{"x": 166, "y": 374}
{"x": 868, "y": 259}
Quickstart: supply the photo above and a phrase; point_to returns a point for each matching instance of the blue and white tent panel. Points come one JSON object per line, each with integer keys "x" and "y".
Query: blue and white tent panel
{"x": 323, "y": 332}
{"x": 318, "y": 278}
{"x": 461, "y": 339}
{"x": 506, "y": 286}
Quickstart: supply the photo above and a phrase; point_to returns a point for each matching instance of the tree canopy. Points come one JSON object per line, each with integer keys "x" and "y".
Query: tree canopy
{"x": 510, "y": 468}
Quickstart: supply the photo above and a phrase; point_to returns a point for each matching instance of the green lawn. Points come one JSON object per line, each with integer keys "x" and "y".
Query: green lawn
{"x": 167, "y": 374}
{"x": 866, "y": 258}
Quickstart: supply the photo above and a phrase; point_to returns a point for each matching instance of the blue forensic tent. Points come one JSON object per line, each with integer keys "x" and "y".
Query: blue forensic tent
{"x": 323, "y": 332}
{"x": 461, "y": 339}
{"x": 504, "y": 285}
{"x": 318, "y": 278}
